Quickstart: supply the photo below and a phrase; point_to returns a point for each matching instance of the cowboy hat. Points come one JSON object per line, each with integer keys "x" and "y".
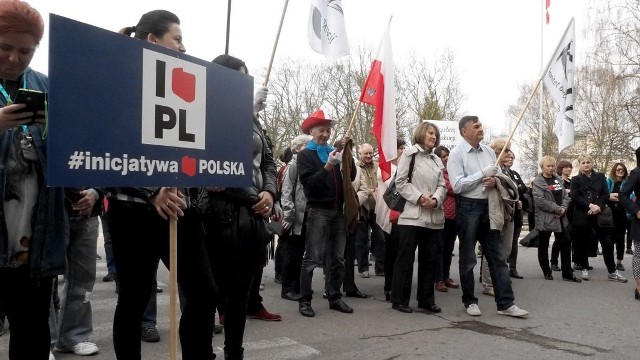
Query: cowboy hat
{"x": 317, "y": 118}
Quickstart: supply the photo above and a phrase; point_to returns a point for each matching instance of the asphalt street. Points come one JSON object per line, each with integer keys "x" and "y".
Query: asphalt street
{"x": 596, "y": 319}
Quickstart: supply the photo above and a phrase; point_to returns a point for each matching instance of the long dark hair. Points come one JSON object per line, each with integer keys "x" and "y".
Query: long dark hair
{"x": 156, "y": 22}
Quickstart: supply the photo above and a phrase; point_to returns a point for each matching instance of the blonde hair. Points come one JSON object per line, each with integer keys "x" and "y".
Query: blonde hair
{"x": 583, "y": 157}
{"x": 546, "y": 160}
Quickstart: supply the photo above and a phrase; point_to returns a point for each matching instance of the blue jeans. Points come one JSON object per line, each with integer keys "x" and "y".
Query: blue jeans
{"x": 473, "y": 225}
{"x": 326, "y": 235}
{"x": 75, "y": 322}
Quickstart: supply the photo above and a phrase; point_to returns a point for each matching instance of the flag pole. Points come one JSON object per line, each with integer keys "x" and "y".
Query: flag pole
{"x": 513, "y": 131}
{"x": 275, "y": 44}
{"x": 353, "y": 118}
{"x": 540, "y": 95}
{"x": 173, "y": 285}
{"x": 226, "y": 47}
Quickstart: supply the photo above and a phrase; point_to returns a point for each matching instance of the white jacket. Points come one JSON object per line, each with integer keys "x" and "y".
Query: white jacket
{"x": 427, "y": 180}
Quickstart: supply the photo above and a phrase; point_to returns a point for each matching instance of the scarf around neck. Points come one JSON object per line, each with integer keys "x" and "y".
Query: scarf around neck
{"x": 322, "y": 150}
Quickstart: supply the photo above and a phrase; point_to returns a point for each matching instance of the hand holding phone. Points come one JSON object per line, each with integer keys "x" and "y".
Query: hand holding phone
{"x": 35, "y": 102}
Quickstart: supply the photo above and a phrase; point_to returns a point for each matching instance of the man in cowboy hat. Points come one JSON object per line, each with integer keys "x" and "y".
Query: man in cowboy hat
{"x": 321, "y": 178}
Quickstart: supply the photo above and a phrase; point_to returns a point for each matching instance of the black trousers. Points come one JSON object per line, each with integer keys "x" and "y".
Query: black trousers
{"x": 27, "y": 301}
{"x": 426, "y": 240}
{"x": 564, "y": 243}
{"x": 139, "y": 235}
{"x": 391, "y": 244}
{"x": 237, "y": 263}
{"x": 292, "y": 260}
{"x": 349, "y": 282}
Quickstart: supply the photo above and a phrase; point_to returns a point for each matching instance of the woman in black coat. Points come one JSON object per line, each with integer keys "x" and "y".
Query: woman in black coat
{"x": 633, "y": 186}
{"x": 590, "y": 193}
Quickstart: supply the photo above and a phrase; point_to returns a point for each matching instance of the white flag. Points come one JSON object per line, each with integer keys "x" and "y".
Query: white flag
{"x": 327, "y": 32}
{"x": 558, "y": 78}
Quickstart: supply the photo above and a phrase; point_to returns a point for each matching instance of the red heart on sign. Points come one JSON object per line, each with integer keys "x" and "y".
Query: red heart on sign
{"x": 183, "y": 84}
{"x": 188, "y": 165}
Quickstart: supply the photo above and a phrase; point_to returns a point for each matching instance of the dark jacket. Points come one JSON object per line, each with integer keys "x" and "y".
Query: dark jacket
{"x": 522, "y": 191}
{"x": 588, "y": 190}
{"x": 322, "y": 188}
{"x": 47, "y": 255}
{"x": 631, "y": 187}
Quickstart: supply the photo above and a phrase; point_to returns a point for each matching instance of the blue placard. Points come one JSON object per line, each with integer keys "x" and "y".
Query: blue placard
{"x": 125, "y": 112}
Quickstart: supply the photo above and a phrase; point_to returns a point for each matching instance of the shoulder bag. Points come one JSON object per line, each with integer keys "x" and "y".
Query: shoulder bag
{"x": 391, "y": 196}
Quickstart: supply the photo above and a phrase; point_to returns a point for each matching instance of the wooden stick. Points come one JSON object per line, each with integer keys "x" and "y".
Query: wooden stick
{"x": 513, "y": 131}
{"x": 173, "y": 286}
{"x": 353, "y": 118}
{"x": 275, "y": 44}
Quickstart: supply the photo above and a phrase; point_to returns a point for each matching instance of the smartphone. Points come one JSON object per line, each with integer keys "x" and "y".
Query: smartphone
{"x": 35, "y": 101}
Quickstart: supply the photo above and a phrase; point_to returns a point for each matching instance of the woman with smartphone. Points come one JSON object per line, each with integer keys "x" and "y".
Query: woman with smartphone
{"x": 33, "y": 221}
{"x": 140, "y": 234}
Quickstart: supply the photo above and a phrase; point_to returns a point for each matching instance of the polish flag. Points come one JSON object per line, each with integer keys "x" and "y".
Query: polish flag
{"x": 379, "y": 91}
{"x": 547, "y": 9}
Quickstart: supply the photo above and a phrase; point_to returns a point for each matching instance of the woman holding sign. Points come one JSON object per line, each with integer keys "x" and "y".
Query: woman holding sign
{"x": 140, "y": 233}
{"x": 33, "y": 221}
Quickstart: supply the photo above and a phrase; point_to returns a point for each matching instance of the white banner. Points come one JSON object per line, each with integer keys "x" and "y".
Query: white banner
{"x": 449, "y": 133}
{"x": 558, "y": 80}
{"x": 327, "y": 32}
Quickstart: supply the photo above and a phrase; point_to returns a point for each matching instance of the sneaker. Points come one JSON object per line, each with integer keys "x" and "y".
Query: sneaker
{"x": 514, "y": 311}
{"x": 489, "y": 291}
{"x": 620, "y": 267}
{"x": 364, "y": 274}
{"x": 585, "y": 274}
{"x": 577, "y": 267}
{"x": 263, "y": 314}
{"x": 149, "y": 333}
{"x": 555, "y": 267}
{"x": 473, "y": 310}
{"x": 84, "y": 348}
{"x": 51, "y": 357}
{"x": 615, "y": 276}
{"x": 217, "y": 328}
{"x": 109, "y": 277}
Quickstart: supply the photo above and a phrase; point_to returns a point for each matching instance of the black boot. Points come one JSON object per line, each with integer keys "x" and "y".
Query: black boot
{"x": 234, "y": 355}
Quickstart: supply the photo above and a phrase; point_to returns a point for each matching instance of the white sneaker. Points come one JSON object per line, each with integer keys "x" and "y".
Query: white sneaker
{"x": 364, "y": 274}
{"x": 615, "y": 276}
{"x": 51, "y": 357}
{"x": 585, "y": 274}
{"x": 514, "y": 311}
{"x": 473, "y": 310}
{"x": 489, "y": 291}
{"x": 84, "y": 348}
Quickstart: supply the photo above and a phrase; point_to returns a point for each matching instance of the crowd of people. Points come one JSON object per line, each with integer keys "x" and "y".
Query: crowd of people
{"x": 469, "y": 193}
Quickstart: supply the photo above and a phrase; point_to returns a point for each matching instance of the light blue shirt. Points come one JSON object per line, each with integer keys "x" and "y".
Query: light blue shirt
{"x": 465, "y": 169}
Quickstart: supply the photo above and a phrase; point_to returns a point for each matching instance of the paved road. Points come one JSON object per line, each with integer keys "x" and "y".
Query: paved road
{"x": 597, "y": 319}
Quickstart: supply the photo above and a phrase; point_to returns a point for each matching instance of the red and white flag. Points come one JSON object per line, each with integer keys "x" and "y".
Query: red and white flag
{"x": 547, "y": 9}
{"x": 379, "y": 91}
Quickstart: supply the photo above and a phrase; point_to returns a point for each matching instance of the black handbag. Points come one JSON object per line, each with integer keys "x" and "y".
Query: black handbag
{"x": 391, "y": 196}
{"x": 605, "y": 217}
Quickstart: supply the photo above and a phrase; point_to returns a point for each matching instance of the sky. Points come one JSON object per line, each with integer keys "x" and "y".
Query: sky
{"x": 496, "y": 44}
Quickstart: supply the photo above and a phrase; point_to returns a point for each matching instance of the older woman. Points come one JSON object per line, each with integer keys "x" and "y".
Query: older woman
{"x": 551, "y": 203}
{"x": 563, "y": 170}
{"x": 590, "y": 194}
{"x": 420, "y": 181}
{"x": 616, "y": 179}
{"x": 33, "y": 221}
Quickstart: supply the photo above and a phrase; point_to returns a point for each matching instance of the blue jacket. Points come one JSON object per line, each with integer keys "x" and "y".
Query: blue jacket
{"x": 47, "y": 255}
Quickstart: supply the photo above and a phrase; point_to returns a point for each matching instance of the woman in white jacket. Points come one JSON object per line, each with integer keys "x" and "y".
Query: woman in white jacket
{"x": 421, "y": 220}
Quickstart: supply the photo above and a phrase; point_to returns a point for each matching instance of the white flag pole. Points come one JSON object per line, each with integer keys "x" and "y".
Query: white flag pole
{"x": 540, "y": 97}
